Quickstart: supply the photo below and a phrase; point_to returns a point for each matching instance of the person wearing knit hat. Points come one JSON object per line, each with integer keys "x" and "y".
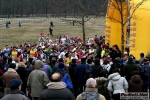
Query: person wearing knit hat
{"x": 61, "y": 62}
{"x": 64, "y": 73}
{"x": 61, "y": 69}
{"x": 16, "y": 94}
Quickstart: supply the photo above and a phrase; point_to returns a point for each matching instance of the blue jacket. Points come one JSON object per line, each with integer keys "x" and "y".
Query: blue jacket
{"x": 80, "y": 71}
{"x": 147, "y": 66}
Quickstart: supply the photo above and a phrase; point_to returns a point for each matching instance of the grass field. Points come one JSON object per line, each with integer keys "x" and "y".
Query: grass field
{"x": 31, "y": 29}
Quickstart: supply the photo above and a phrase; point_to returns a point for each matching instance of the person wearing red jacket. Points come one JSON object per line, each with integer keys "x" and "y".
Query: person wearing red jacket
{"x": 96, "y": 39}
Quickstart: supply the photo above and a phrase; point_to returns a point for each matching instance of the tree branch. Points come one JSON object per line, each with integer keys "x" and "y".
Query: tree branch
{"x": 103, "y": 7}
{"x": 135, "y": 8}
{"x": 111, "y": 18}
{"x": 116, "y": 7}
{"x": 81, "y": 5}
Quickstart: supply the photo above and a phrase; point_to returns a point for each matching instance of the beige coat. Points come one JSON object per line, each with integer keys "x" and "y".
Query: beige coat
{"x": 9, "y": 75}
{"x": 90, "y": 90}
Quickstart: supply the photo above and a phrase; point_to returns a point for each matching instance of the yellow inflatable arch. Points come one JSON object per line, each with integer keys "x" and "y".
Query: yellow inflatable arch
{"x": 139, "y": 27}
{"x": 113, "y": 25}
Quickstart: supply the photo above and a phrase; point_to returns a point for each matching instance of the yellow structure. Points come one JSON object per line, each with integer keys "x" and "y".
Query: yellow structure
{"x": 139, "y": 26}
{"x": 140, "y": 29}
{"x": 113, "y": 23}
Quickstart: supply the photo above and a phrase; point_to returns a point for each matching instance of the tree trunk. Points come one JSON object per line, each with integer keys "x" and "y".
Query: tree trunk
{"x": 122, "y": 40}
{"x": 83, "y": 29}
{"x": 122, "y": 29}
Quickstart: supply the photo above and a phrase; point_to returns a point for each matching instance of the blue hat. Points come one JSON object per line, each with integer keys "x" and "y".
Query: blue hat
{"x": 14, "y": 84}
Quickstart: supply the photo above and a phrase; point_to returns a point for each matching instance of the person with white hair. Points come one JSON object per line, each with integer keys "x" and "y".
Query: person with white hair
{"x": 90, "y": 91}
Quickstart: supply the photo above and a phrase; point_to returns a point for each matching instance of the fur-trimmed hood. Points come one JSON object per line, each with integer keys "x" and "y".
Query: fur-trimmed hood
{"x": 101, "y": 79}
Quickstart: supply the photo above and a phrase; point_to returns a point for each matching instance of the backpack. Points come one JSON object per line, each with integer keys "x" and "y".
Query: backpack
{"x": 88, "y": 73}
{"x": 102, "y": 88}
{"x": 90, "y": 96}
{"x": 66, "y": 80}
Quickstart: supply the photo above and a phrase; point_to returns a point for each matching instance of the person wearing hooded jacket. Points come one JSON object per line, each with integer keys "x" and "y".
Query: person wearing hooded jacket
{"x": 37, "y": 80}
{"x": 117, "y": 84}
{"x": 102, "y": 83}
{"x": 57, "y": 90}
{"x": 136, "y": 83}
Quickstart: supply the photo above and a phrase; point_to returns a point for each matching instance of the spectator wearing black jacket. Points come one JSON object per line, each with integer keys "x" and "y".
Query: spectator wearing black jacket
{"x": 23, "y": 75}
{"x": 6, "y": 64}
{"x": 113, "y": 54}
{"x": 117, "y": 64}
{"x": 72, "y": 68}
{"x": 98, "y": 50}
{"x": 96, "y": 68}
{"x": 116, "y": 48}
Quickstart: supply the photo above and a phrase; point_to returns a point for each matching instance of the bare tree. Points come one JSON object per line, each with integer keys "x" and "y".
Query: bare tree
{"x": 121, "y": 6}
{"x": 86, "y": 8}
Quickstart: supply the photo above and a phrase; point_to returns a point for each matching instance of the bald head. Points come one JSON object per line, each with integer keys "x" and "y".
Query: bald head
{"x": 91, "y": 83}
{"x": 56, "y": 77}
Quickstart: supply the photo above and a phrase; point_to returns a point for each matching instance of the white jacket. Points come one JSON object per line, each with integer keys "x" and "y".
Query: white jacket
{"x": 117, "y": 84}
